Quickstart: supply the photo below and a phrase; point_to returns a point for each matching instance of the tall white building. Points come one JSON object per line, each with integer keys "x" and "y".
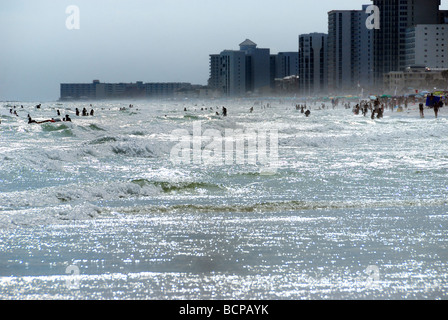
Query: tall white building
{"x": 313, "y": 63}
{"x": 427, "y": 45}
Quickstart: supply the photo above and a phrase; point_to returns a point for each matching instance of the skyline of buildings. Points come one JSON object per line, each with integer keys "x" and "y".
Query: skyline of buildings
{"x": 350, "y": 58}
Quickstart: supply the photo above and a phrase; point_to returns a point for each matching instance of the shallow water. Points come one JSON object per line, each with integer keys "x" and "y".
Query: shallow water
{"x": 96, "y": 209}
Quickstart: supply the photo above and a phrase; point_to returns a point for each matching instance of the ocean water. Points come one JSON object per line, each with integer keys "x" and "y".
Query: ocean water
{"x": 354, "y": 208}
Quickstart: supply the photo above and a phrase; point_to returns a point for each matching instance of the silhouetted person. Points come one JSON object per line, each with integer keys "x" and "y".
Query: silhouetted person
{"x": 224, "y": 111}
{"x": 436, "y": 109}
{"x": 422, "y": 115}
{"x": 364, "y": 110}
{"x": 92, "y": 112}
{"x": 307, "y": 113}
{"x": 77, "y": 112}
{"x": 31, "y": 120}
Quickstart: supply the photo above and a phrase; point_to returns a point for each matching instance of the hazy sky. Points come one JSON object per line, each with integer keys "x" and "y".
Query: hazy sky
{"x": 141, "y": 40}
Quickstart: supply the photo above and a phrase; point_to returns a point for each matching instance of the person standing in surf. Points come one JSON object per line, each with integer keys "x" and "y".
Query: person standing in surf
{"x": 422, "y": 114}
{"x": 436, "y": 109}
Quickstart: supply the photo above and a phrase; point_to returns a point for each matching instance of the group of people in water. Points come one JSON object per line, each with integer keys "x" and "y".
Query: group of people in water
{"x": 376, "y": 109}
{"x": 66, "y": 118}
{"x": 224, "y": 111}
{"x": 303, "y": 109}
{"x": 85, "y": 113}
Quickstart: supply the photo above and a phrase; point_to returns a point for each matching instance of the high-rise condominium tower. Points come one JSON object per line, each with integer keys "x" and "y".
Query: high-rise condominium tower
{"x": 390, "y": 39}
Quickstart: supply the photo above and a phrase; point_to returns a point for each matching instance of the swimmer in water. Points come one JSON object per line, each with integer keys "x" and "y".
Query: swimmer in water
{"x": 30, "y": 120}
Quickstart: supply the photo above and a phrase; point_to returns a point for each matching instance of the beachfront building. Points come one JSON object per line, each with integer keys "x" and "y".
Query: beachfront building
{"x": 313, "y": 63}
{"x": 396, "y": 16}
{"x": 427, "y": 45}
{"x": 350, "y": 51}
{"x": 238, "y": 72}
{"x": 286, "y": 86}
{"x": 102, "y": 91}
{"x": 258, "y": 71}
{"x": 233, "y": 73}
{"x": 215, "y": 71}
{"x": 76, "y": 91}
{"x": 415, "y": 78}
{"x": 285, "y": 64}
{"x": 228, "y": 73}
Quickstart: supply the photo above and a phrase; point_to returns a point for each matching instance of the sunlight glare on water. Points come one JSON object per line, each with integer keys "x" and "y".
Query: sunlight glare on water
{"x": 355, "y": 210}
